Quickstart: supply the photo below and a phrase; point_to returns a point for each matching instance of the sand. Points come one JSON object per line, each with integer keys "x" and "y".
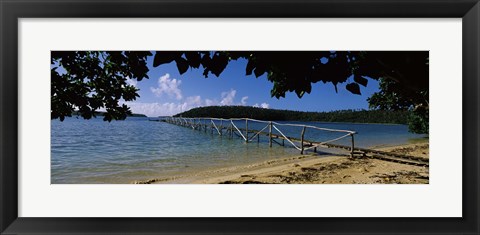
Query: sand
{"x": 316, "y": 169}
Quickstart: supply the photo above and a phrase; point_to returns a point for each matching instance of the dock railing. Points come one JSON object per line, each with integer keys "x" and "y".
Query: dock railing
{"x": 229, "y": 127}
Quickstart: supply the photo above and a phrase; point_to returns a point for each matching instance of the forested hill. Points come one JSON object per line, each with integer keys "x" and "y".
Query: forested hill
{"x": 357, "y": 116}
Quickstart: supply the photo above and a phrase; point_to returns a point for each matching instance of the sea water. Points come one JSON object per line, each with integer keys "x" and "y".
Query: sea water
{"x": 95, "y": 151}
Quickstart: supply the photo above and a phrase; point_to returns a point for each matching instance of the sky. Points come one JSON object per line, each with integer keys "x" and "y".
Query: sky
{"x": 166, "y": 92}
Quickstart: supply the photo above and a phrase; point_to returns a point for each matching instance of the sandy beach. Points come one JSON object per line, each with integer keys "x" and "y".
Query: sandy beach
{"x": 316, "y": 169}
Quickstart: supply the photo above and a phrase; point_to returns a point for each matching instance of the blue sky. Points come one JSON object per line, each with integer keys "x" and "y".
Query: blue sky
{"x": 167, "y": 92}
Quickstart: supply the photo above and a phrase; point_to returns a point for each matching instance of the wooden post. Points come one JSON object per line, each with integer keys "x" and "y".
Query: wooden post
{"x": 353, "y": 146}
{"x": 270, "y": 134}
{"x": 303, "y": 133}
{"x": 246, "y": 130}
{"x": 227, "y": 130}
{"x": 221, "y": 126}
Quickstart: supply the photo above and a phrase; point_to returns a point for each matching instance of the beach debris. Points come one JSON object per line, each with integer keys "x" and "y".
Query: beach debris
{"x": 240, "y": 182}
{"x": 401, "y": 177}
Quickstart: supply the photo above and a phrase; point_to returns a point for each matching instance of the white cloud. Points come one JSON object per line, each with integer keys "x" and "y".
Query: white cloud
{"x": 168, "y": 86}
{"x": 194, "y": 100}
{"x": 265, "y": 105}
{"x": 165, "y": 109}
{"x": 227, "y": 97}
{"x": 131, "y": 82}
{"x": 262, "y": 105}
{"x": 244, "y": 100}
{"x": 172, "y": 108}
{"x": 209, "y": 102}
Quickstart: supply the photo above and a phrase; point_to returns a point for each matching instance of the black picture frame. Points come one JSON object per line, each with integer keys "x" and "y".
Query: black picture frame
{"x": 12, "y": 10}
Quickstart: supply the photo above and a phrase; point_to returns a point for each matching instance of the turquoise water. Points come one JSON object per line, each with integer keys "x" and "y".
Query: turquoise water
{"x": 94, "y": 151}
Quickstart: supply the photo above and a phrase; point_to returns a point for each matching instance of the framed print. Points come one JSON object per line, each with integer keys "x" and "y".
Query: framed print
{"x": 239, "y": 117}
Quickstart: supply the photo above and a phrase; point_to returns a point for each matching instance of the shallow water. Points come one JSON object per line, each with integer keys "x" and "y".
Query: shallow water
{"x": 94, "y": 151}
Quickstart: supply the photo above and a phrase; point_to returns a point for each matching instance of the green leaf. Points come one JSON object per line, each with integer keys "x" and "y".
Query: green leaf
{"x": 353, "y": 88}
{"x": 360, "y": 80}
{"x": 193, "y": 58}
{"x": 250, "y": 67}
{"x": 182, "y": 65}
{"x": 308, "y": 87}
{"x": 259, "y": 71}
{"x": 165, "y": 57}
{"x": 300, "y": 93}
{"x": 219, "y": 62}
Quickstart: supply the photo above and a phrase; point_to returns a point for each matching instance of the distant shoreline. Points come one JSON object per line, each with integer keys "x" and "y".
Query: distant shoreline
{"x": 342, "y": 116}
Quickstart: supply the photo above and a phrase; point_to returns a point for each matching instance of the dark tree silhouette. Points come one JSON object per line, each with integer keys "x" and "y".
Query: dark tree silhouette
{"x": 293, "y": 71}
{"x": 404, "y": 75}
{"x": 352, "y": 116}
{"x": 89, "y": 80}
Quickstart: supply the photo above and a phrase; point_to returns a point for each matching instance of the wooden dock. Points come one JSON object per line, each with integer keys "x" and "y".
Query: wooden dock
{"x": 227, "y": 127}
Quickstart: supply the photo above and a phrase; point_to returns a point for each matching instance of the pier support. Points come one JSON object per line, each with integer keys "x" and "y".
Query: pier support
{"x": 246, "y": 130}
{"x": 353, "y": 146}
{"x": 221, "y": 127}
{"x": 231, "y": 129}
{"x": 302, "y": 139}
{"x": 270, "y": 133}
